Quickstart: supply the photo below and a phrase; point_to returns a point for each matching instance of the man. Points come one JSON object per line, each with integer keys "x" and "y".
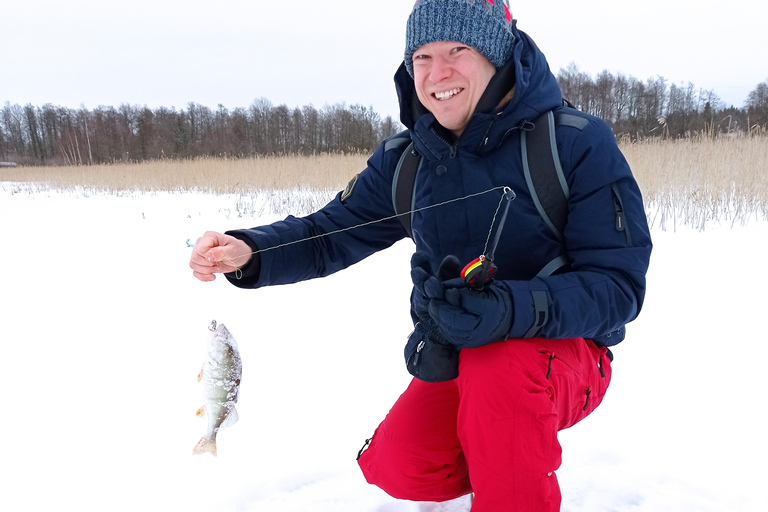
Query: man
{"x": 532, "y": 346}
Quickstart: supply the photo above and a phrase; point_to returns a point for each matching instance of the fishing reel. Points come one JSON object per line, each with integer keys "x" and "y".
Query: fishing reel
{"x": 480, "y": 272}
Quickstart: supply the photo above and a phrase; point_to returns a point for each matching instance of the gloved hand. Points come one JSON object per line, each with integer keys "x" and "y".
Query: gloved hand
{"x": 428, "y": 356}
{"x": 468, "y": 318}
{"x": 420, "y": 272}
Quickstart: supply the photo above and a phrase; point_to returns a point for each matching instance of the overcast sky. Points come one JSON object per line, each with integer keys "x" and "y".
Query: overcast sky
{"x": 170, "y": 52}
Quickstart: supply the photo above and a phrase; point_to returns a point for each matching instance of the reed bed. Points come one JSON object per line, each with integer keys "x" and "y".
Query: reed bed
{"x": 687, "y": 182}
{"x": 698, "y": 181}
{"x": 214, "y": 175}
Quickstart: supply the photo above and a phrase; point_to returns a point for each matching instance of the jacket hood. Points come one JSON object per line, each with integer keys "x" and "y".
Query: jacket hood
{"x": 536, "y": 91}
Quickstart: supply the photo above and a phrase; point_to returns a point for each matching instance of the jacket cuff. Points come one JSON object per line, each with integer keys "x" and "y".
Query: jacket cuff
{"x": 531, "y": 311}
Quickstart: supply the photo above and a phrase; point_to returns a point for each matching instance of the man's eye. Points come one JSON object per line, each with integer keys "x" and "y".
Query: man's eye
{"x": 420, "y": 57}
{"x": 458, "y": 49}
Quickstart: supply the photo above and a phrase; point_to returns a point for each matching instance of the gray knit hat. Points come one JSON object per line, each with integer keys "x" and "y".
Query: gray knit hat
{"x": 485, "y": 25}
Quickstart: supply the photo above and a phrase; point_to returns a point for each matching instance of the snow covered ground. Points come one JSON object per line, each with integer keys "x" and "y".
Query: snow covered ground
{"x": 103, "y": 331}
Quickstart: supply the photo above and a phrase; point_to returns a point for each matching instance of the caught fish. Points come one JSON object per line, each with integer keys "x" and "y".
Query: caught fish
{"x": 220, "y": 377}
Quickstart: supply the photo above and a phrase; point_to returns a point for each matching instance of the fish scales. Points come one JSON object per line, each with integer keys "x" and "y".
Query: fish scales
{"x": 220, "y": 380}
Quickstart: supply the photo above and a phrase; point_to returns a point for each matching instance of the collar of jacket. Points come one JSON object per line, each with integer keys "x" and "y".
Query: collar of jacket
{"x": 536, "y": 91}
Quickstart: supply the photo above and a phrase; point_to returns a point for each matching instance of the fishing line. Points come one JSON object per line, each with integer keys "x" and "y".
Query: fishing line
{"x": 238, "y": 272}
{"x": 493, "y": 221}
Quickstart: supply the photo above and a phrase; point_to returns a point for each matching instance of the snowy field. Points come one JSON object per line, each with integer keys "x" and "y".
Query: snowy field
{"x": 104, "y": 329}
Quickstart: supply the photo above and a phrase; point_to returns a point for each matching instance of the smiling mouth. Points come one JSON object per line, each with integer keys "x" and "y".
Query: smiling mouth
{"x": 446, "y": 95}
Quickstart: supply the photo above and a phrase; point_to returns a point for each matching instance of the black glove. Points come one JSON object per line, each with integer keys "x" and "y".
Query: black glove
{"x": 468, "y": 318}
{"x": 420, "y": 272}
{"x": 428, "y": 356}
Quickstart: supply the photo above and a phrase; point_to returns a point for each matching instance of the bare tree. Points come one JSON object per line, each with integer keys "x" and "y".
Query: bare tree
{"x": 757, "y": 105}
{"x": 577, "y": 87}
{"x": 2, "y": 143}
{"x": 603, "y": 96}
{"x": 388, "y": 128}
{"x": 620, "y": 97}
{"x": 259, "y": 114}
{"x": 311, "y": 128}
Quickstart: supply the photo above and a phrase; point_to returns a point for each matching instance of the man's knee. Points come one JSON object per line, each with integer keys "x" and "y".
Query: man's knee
{"x": 412, "y": 473}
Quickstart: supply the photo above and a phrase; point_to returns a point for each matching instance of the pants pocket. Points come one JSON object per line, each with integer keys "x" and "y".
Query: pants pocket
{"x": 577, "y": 376}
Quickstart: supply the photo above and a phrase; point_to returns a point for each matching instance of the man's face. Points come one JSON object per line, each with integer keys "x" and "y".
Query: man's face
{"x": 450, "y": 78}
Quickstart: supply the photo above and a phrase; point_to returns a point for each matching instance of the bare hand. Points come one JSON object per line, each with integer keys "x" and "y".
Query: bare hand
{"x": 218, "y": 253}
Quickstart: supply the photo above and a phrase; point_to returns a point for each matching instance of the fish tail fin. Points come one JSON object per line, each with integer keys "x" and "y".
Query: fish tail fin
{"x": 205, "y": 445}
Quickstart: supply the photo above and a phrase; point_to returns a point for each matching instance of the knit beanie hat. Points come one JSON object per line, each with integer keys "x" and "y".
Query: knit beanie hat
{"x": 485, "y": 25}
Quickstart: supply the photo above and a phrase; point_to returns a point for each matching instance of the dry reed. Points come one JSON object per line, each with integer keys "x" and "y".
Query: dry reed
{"x": 214, "y": 175}
{"x": 700, "y": 180}
{"x": 684, "y": 182}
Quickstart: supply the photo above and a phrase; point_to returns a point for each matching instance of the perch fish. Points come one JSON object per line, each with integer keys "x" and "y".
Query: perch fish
{"x": 220, "y": 378}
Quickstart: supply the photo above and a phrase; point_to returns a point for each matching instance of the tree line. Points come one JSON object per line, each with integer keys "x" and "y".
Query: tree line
{"x": 653, "y": 108}
{"x": 55, "y": 135}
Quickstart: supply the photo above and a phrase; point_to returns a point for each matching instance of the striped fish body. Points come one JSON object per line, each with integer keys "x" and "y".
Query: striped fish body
{"x": 220, "y": 380}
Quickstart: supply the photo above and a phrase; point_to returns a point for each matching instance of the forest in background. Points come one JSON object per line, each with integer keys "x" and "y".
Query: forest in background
{"x": 55, "y": 135}
{"x": 637, "y": 109}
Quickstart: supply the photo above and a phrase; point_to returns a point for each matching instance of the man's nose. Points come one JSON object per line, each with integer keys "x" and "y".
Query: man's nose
{"x": 441, "y": 69}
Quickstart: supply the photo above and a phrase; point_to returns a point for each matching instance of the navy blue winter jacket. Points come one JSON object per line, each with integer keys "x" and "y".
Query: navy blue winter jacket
{"x": 606, "y": 236}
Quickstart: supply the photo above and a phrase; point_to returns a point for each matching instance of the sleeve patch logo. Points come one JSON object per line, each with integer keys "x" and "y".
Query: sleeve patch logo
{"x": 350, "y": 186}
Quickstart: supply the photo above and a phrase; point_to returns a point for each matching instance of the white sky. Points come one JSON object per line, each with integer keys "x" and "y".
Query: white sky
{"x": 170, "y": 52}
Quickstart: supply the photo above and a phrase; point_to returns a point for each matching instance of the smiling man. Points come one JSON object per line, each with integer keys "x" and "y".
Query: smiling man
{"x": 504, "y": 364}
{"x": 450, "y": 78}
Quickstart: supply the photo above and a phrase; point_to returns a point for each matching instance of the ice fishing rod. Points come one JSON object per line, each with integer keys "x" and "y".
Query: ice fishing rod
{"x": 479, "y": 273}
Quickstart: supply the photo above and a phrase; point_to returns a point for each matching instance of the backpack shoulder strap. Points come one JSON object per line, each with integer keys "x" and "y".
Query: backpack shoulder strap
{"x": 541, "y": 166}
{"x": 403, "y": 185}
{"x": 544, "y": 175}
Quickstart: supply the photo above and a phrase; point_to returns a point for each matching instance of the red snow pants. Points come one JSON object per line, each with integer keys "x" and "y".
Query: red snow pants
{"x": 491, "y": 431}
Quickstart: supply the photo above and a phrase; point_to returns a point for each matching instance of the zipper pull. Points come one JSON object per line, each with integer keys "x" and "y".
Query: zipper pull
{"x": 619, "y": 214}
{"x": 417, "y": 355}
{"x": 549, "y": 366}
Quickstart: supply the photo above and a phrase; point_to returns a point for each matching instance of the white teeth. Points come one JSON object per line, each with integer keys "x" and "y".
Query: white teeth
{"x": 447, "y": 94}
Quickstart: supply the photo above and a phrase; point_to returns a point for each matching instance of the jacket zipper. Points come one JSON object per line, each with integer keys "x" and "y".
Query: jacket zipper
{"x": 621, "y": 220}
{"x": 417, "y": 355}
{"x": 484, "y": 139}
{"x": 452, "y": 148}
{"x": 549, "y": 366}
{"x": 619, "y": 214}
